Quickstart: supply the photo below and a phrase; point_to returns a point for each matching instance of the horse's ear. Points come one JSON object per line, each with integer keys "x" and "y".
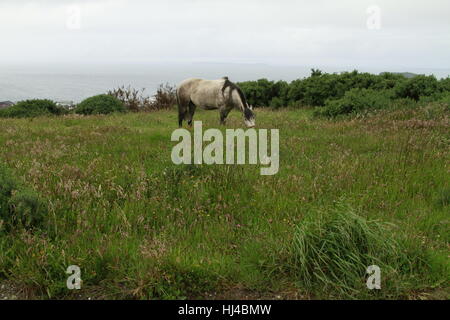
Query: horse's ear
{"x": 250, "y": 107}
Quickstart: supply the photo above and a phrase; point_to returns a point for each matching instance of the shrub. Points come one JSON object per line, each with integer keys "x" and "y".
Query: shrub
{"x": 417, "y": 86}
{"x": 19, "y": 207}
{"x": 260, "y": 93}
{"x": 315, "y": 90}
{"x": 100, "y": 104}
{"x": 165, "y": 98}
{"x": 7, "y": 185}
{"x": 32, "y": 108}
{"x": 26, "y": 210}
{"x": 277, "y": 103}
{"x": 388, "y": 80}
{"x": 331, "y": 252}
{"x": 445, "y": 99}
{"x": 320, "y": 87}
{"x": 355, "y": 101}
{"x": 444, "y": 84}
{"x": 133, "y": 99}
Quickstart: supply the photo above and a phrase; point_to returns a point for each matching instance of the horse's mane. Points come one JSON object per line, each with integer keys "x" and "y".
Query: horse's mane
{"x": 232, "y": 86}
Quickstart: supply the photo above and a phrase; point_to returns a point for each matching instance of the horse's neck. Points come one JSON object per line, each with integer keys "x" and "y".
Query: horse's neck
{"x": 237, "y": 101}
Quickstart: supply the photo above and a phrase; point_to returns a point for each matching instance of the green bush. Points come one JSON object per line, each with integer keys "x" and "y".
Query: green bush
{"x": 316, "y": 89}
{"x": 440, "y": 97}
{"x": 26, "y": 210}
{"x": 19, "y": 207}
{"x": 417, "y": 86}
{"x": 356, "y": 101}
{"x": 277, "y": 103}
{"x": 100, "y": 104}
{"x": 443, "y": 98}
{"x": 7, "y": 185}
{"x": 444, "y": 84}
{"x": 261, "y": 92}
{"x": 32, "y": 108}
{"x": 320, "y": 87}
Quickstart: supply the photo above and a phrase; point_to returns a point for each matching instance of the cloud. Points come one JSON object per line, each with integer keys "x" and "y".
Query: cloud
{"x": 321, "y": 32}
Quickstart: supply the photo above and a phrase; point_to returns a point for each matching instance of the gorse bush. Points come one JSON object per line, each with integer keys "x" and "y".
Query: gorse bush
{"x": 336, "y": 94}
{"x": 440, "y": 97}
{"x": 100, "y": 104}
{"x": 32, "y": 108}
{"x": 19, "y": 207}
{"x": 444, "y": 84}
{"x": 260, "y": 93}
{"x": 316, "y": 89}
{"x": 417, "y": 87}
{"x": 331, "y": 253}
{"x": 356, "y": 101}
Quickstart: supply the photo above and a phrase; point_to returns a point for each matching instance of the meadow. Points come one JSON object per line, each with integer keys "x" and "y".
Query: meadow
{"x": 350, "y": 193}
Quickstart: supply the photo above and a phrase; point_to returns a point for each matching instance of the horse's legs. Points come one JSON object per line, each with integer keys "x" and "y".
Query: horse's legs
{"x": 191, "y": 113}
{"x": 181, "y": 114}
{"x": 224, "y": 111}
{"x": 182, "y": 110}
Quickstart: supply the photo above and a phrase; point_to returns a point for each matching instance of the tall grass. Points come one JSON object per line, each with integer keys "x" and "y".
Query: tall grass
{"x": 332, "y": 250}
{"x": 140, "y": 227}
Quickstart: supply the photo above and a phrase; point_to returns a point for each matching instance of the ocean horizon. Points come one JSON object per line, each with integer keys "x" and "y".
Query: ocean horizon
{"x": 77, "y": 83}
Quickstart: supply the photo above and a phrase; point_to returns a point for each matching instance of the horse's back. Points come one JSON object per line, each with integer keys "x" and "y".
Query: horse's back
{"x": 201, "y": 84}
{"x": 187, "y": 85}
{"x": 203, "y": 93}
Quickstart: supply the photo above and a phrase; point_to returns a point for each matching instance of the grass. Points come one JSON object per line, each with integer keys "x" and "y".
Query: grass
{"x": 142, "y": 228}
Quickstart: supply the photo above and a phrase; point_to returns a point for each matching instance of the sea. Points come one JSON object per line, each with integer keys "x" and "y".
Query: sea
{"x": 73, "y": 83}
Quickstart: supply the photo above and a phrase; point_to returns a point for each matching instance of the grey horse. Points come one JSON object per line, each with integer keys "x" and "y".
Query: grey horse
{"x": 219, "y": 94}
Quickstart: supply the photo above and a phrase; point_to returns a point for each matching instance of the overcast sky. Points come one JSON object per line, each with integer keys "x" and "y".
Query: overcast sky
{"x": 406, "y": 33}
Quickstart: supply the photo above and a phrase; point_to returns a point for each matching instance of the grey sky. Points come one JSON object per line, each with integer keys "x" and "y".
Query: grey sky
{"x": 413, "y": 33}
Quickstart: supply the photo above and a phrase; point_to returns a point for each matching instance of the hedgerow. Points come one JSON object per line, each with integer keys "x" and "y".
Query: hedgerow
{"x": 344, "y": 93}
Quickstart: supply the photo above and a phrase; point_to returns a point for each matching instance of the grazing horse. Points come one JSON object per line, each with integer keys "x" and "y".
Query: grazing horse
{"x": 219, "y": 94}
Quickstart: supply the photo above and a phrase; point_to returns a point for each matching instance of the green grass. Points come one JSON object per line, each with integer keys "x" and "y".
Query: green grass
{"x": 142, "y": 228}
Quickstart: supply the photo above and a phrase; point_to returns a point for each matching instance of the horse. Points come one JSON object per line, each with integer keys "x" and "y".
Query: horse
{"x": 219, "y": 94}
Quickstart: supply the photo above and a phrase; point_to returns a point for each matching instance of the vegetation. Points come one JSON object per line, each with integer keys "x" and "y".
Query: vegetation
{"x": 118, "y": 100}
{"x": 356, "y": 101}
{"x": 32, "y": 108}
{"x": 336, "y": 94}
{"x": 19, "y": 207}
{"x": 100, "y": 104}
{"x": 349, "y": 193}
{"x": 417, "y": 87}
{"x": 165, "y": 98}
{"x": 332, "y": 250}
{"x": 135, "y": 100}
{"x": 332, "y": 95}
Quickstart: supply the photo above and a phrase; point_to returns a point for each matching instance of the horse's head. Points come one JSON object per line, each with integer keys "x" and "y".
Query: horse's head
{"x": 249, "y": 117}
